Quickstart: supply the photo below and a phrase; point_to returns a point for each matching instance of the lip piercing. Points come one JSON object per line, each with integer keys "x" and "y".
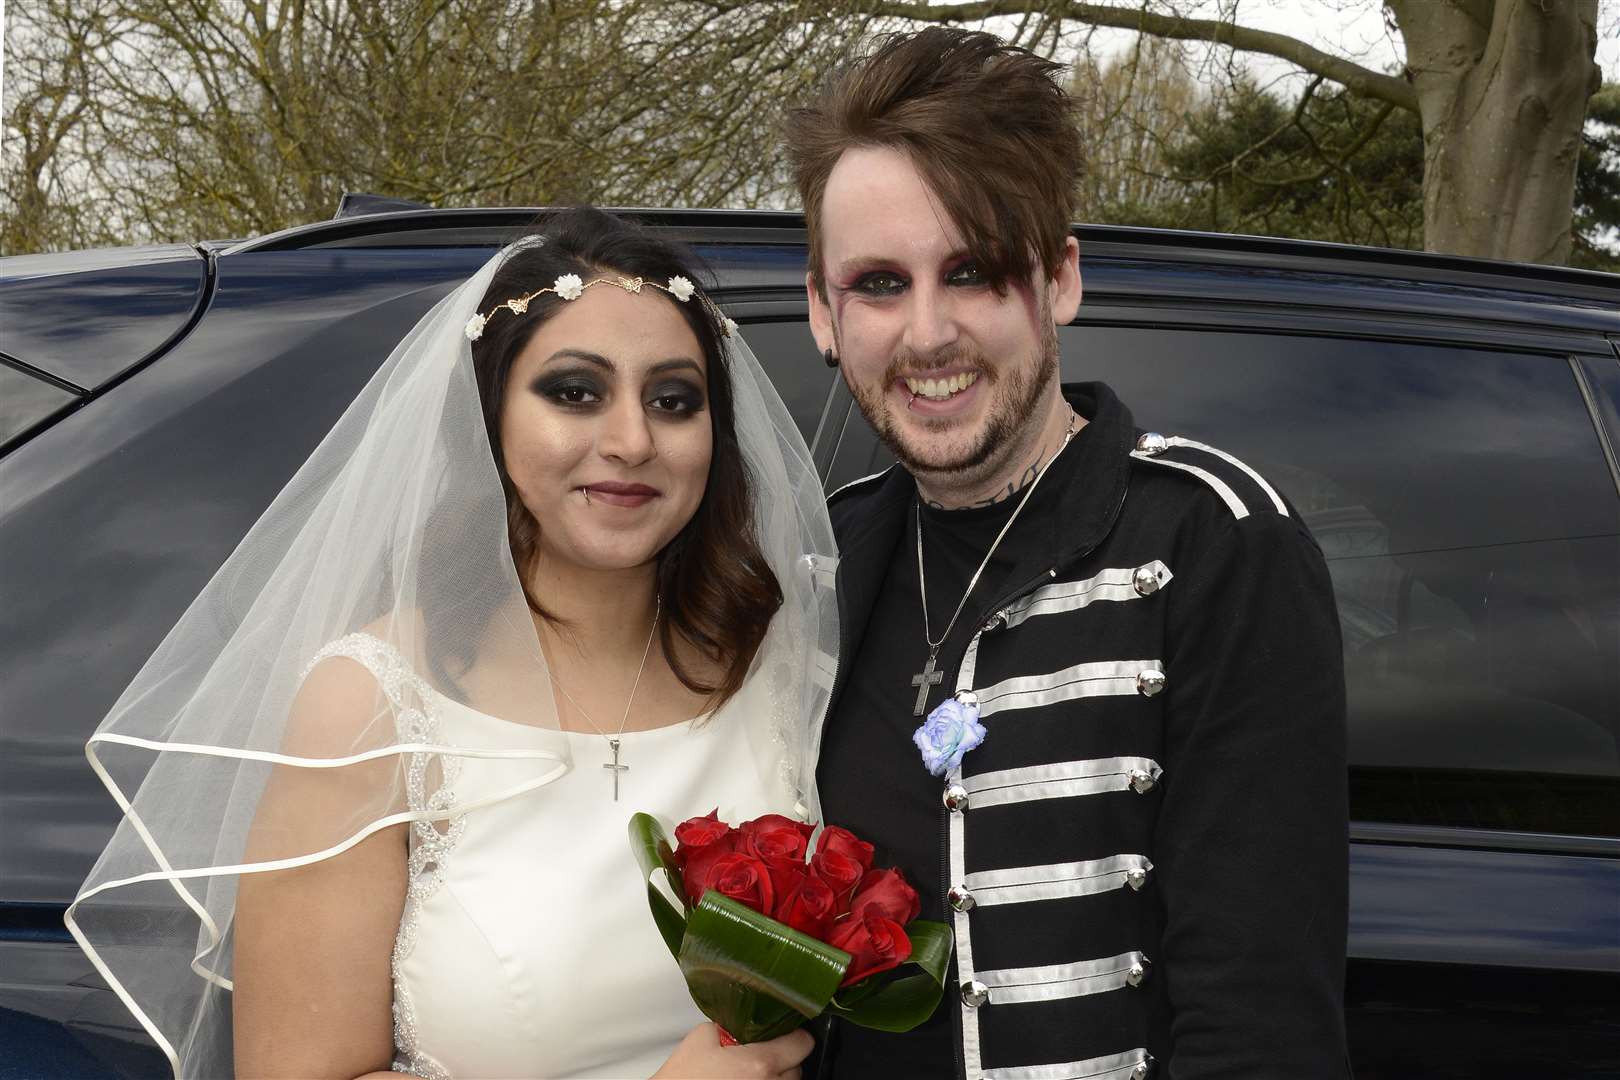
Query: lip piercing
{"x": 587, "y": 493}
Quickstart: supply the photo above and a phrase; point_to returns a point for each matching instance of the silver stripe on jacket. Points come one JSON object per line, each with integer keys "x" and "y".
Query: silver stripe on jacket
{"x": 1271, "y": 492}
{"x": 1060, "y": 780}
{"x": 1102, "y": 678}
{"x": 1112, "y": 584}
{"x": 1023, "y": 884}
{"x": 962, "y": 932}
{"x": 1111, "y": 1067}
{"x": 1054, "y": 982}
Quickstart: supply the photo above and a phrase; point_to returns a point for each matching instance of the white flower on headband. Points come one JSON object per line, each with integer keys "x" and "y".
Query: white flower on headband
{"x": 680, "y": 288}
{"x": 729, "y": 326}
{"x": 475, "y": 327}
{"x": 569, "y": 287}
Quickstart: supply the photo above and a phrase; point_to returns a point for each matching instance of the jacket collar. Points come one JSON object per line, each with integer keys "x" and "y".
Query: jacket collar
{"x": 1096, "y": 482}
{"x": 864, "y": 554}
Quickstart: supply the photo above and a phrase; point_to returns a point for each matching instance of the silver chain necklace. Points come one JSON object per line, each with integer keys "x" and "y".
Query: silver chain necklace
{"x": 930, "y": 676}
{"x": 613, "y": 740}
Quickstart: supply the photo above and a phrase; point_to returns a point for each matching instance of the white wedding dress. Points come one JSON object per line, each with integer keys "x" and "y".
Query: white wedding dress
{"x": 526, "y": 948}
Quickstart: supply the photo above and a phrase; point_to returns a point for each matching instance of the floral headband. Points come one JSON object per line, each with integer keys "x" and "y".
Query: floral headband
{"x": 570, "y": 287}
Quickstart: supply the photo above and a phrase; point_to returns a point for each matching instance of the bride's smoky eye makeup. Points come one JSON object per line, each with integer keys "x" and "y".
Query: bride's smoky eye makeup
{"x": 581, "y": 389}
{"x": 576, "y": 388}
{"x": 681, "y": 398}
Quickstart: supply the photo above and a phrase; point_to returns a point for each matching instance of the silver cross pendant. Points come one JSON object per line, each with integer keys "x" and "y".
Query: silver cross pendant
{"x": 615, "y": 767}
{"x": 925, "y": 680}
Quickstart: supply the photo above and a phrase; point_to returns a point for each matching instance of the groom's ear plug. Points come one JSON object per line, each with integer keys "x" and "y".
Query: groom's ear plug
{"x": 831, "y": 360}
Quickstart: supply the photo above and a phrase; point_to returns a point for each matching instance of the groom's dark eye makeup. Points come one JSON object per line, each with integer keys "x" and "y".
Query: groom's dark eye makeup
{"x": 872, "y": 279}
{"x": 578, "y": 381}
{"x": 878, "y": 283}
{"x": 966, "y": 274}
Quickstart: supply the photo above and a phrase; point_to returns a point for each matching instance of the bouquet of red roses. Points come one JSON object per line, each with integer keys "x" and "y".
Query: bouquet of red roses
{"x": 773, "y": 924}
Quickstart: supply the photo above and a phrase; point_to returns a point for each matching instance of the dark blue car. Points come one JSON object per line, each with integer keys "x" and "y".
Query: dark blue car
{"x": 1448, "y": 427}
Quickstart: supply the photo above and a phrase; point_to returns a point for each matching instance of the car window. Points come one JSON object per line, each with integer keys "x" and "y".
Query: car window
{"x": 788, "y": 354}
{"x": 26, "y": 401}
{"x": 1472, "y": 530}
{"x": 1602, "y": 377}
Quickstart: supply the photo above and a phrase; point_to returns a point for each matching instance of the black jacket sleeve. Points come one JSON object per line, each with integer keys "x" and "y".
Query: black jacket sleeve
{"x": 1251, "y": 845}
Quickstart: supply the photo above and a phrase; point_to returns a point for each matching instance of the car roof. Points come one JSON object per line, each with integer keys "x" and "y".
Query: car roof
{"x": 496, "y": 226}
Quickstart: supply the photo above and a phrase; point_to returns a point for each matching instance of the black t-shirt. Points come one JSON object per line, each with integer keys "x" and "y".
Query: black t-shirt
{"x": 871, "y": 775}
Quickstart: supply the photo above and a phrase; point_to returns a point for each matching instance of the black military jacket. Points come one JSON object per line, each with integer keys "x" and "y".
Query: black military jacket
{"x": 1147, "y": 858}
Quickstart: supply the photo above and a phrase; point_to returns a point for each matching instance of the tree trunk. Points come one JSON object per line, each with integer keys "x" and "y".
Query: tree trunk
{"x": 1502, "y": 89}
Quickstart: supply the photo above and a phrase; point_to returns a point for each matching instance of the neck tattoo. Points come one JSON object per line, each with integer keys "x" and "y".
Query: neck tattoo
{"x": 1015, "y": 485}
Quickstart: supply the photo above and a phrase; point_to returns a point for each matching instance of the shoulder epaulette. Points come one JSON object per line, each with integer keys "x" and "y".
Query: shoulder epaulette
{"x": 862, "y": 482}
{"x": 1243, "y": 490}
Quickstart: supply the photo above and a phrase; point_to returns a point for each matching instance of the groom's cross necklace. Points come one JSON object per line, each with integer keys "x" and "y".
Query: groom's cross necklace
{"x": 930, "y": 676}
{"x": 613, "y": 740}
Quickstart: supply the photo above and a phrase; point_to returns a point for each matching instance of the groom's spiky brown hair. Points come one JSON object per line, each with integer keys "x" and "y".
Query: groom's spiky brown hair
{"x": 986, "y": 123}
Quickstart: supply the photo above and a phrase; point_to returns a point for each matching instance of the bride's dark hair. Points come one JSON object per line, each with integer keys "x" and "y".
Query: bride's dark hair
{"x": 718, "y": 592}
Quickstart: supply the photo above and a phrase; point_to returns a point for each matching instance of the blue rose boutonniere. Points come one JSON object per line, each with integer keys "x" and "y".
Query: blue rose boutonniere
{"x": 950, "y": 731}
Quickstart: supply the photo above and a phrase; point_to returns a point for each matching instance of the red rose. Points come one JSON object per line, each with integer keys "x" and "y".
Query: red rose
{"x": 774, "y": 837}
{"x": 840, "y": 872}
{"x": 888, "y": 894}
{"x": 702, "y": 840}
{"x": 779, "y": 843}
{"x": 847, "y": 844}
{"x": 808, "y": 906}
{"x": 743, "y": 878}
{"x": 873, "y": 942}
{"x": 700, "y": 831}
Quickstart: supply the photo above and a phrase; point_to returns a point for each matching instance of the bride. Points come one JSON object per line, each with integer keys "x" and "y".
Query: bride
{"x": 564, "y": 559}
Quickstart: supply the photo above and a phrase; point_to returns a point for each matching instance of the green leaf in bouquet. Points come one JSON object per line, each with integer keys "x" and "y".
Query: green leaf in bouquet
{"x": 752, "y": 975}
{"x": 653, "y": 853}
{"x": 902, "y": 1003}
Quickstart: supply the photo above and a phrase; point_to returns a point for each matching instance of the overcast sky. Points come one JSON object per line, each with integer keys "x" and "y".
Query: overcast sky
{"x": 1351, "y": 28}
{"x": 1356, "y": 27}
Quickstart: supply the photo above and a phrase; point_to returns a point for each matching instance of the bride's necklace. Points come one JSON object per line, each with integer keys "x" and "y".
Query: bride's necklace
{"x": 930, "y": 675}
{"x": 613, "y": 740}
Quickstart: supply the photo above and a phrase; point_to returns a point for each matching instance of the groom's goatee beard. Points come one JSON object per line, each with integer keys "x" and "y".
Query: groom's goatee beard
{"x": 1020, "y": 393}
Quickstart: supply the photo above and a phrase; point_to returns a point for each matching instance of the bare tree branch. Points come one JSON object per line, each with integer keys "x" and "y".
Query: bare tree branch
{"x": 1344, "y": 72}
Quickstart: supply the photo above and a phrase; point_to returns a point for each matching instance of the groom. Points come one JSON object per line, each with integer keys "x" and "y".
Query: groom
{"x": 1127, "y": 796}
